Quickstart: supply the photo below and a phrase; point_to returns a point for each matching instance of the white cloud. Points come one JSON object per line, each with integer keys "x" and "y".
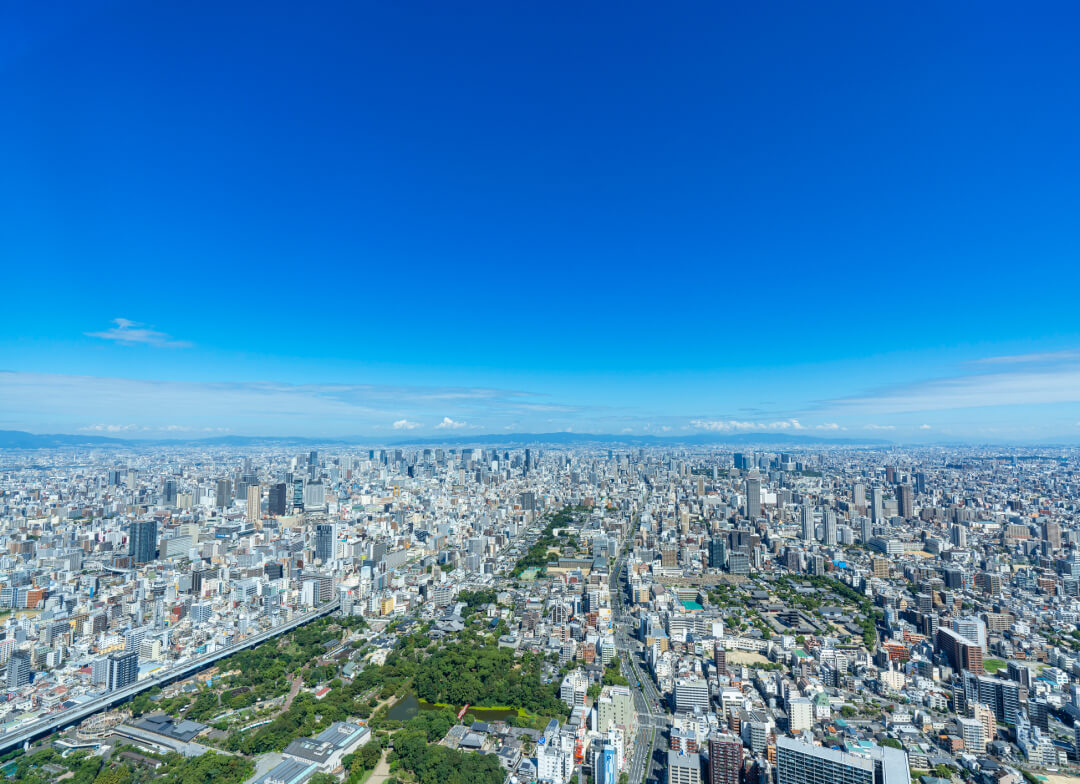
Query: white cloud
{"x": 925, "y": 427}
{"x": 449, "y": 424}
{"x": 879, "y": 427}
{"x": 829, "y": 426}
{"x": 405, "y": 424}
{"x": 132, "y": 333}
{"x": 109, "y": 428}
{"x": 628, "y": 430}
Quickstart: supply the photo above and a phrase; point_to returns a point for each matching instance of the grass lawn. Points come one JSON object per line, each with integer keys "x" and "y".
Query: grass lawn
{"x": 993, "y": 665}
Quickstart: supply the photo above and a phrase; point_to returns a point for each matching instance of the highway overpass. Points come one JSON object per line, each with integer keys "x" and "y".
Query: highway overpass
{"x": 57, "y": 721}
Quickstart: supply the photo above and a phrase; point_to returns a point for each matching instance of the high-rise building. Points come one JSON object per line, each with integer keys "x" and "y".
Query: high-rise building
{"x": 858, "y": 496}
{"x": 690, "y": 694}
{"x": 1051, "y": 532}
{"x": 962, "y": 653}
{"x": 314, "y": 495}
{"x": 254, "y": 503}
{"x": 905, "y": 500}
{"x": 168, "y": 492}
{"x": 123, "y": 669}
{"x": 717, "y": 553}
{"x": 808, "y": 534}
{"x": 998, "y": 694}
{"x": 753, "y": 498}
{"x": 224, "y": 493}
{"x": 800, "y": 714}
{"x": 725, "y": 759}
{"x": 279, "y": 499}
{"x": 684, "y": 768}
{"x": 877, "y": 505}
{"x": 804, "y": 763}
{"x": 974, "y": 735}
{"x": 142, "y": 541}
{"x": 720, "y": 658}
{"x": 829, "y": 528}
{"x": 958, "y": 536}
{"x": 326, "y": 542}
{"x": 973, "y": 628}
{"x": 606, "y": 768}
{"x": 615, "y": 710}
{"x": 18, "y": 670}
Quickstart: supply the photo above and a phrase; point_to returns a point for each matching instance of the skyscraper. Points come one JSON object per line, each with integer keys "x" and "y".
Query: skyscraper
{"x": 858, "y": 495}
{"x": 717, "y": 553}
{"x": 254, "y": 503}
{"x": 877, "y": 504}
{"x": 325, "y": 542}
{"x": 808, "y": 523}
{"x": 830, "y": 527}
{"x": 142, "y": 541}
{"x": 905, "y": 500}
{"x": 279, "y": 499}
{"x": 753, "y": 498}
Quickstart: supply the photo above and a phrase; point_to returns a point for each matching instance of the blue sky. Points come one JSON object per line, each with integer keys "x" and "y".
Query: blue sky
{"x": 383, "y": 218}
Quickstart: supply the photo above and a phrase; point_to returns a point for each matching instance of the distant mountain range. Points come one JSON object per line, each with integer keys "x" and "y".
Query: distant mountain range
{"x": 18, "y": 439}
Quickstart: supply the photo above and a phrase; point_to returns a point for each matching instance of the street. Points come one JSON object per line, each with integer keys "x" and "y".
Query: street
{"x": 652, "y": 721}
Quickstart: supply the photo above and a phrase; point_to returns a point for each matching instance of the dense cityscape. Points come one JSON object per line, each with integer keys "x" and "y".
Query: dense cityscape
{"x": 546, "y": 614}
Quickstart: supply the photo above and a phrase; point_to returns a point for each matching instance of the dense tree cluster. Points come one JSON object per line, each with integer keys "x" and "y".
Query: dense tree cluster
{"x": 537, "y": 556}
{"x": 440, "y": 765}
{"x": 477, "y": 671}
{"x": 474, "y": 600}
{"x": 30, "y": 768}
{"x": 39, "y": 768}
{"x": 265, "y": 669}
{"x": 362, "y": 761}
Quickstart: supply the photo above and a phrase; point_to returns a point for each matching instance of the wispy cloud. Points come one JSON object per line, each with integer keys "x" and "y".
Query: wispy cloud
{"x": 1068, "y": 355}
{"x": 1024, "y": 386}
{"x": 925, "y": 427}
{"x": 736, "y": 426}
{"x": 151, "y": 429}
{"x": 50, "y": 402}
{"x": 879, "y": 427}
{"x": 131, "y": 333}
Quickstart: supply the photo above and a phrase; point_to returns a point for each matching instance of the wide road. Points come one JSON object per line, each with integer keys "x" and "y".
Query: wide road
{"x": 651, "y": 723}
{"x": 55, "y": 721}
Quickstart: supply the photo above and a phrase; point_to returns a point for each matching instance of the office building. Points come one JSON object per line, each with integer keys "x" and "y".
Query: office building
{"x": 753, "y": 498}
{"x": 142, "y": 544}
{"x": 804, "y": 763}
{"x": 684, "y": 768}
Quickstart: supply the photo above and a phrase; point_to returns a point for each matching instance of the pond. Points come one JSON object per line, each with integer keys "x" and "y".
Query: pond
{"x": 404, "y": 709}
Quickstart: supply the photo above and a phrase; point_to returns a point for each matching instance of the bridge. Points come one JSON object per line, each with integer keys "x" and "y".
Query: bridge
{"x": 66, "y": 718}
